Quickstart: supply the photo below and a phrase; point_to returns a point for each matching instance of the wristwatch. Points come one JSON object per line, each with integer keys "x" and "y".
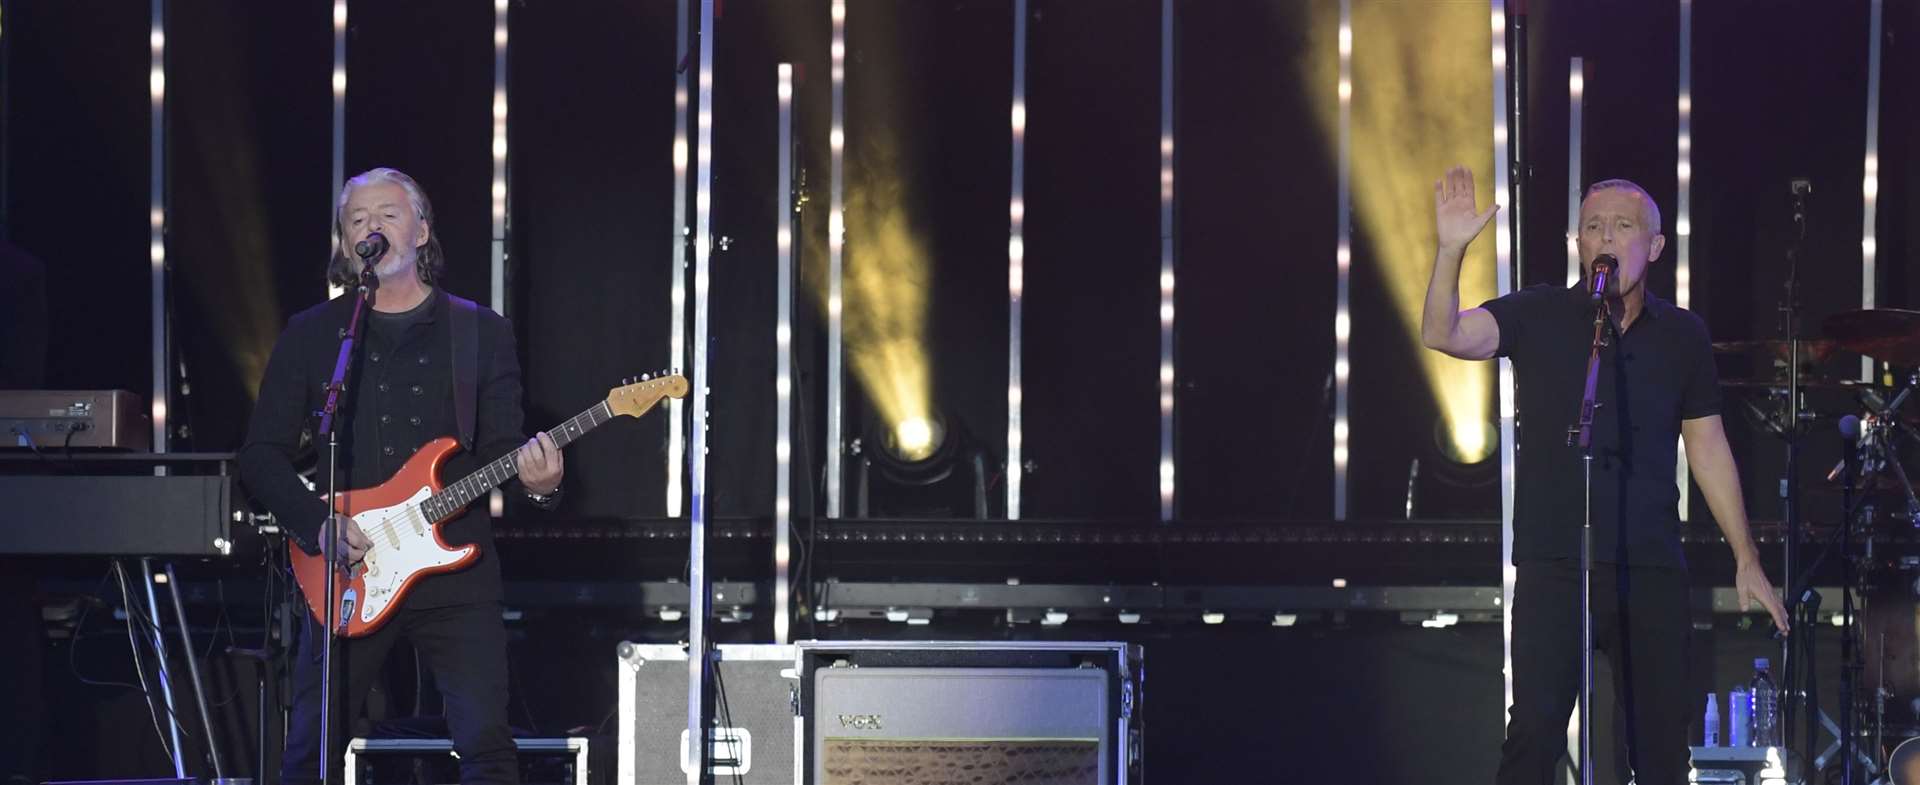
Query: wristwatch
{"x": 544, "y": 499}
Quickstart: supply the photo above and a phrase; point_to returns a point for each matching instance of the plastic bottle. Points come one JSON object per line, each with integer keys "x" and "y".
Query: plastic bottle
{"x": 1711, "y": 736}
{"x": 1766, "y": 706}
{"x": 1739, "y": 717}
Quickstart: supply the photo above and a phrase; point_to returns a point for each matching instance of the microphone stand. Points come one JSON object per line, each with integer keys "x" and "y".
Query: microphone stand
{"x": 1581, "y": 436}
{"x": 1803, "y": 603}
{"x": 342, "y": 367}
{"x": 1794, "y": 693}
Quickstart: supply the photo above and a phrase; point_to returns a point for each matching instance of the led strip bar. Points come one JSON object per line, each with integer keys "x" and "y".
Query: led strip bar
{"x": 1343, "y": 262}
{"x": 1167, "y": 251}
{"x": 836, "y": 247}
{"x": 677, "y": 329}
{"x": 339, "y": 122}
{"x": 783, "y": 370}
{"x": 1016, "y": 257}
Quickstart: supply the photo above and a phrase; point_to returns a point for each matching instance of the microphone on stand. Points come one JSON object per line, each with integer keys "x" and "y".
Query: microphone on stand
{"x": 373, "y": 247}
{"x": 370, "y": 250}
{"x": 1849, "y": 465}
{"x": 1603, "y": 267}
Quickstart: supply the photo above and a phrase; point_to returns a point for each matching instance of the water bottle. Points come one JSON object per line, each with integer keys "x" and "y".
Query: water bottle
{"x": 1711, "y": 736}
{"x": 1739, "y": 714}
{"x": 1766, "y": 707}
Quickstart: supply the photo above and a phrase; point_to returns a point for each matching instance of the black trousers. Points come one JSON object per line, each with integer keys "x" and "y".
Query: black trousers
{"x": 1641, "y": 623}
{"x": 465, "y": 646}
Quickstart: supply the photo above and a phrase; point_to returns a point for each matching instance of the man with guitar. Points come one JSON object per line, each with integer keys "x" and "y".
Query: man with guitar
{"x": 429, "y": 365}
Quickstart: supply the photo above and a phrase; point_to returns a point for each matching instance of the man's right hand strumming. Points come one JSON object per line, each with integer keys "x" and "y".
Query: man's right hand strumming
{"x": 347, "y": 539}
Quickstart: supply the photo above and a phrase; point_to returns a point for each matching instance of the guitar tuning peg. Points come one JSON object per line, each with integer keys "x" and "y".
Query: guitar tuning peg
{"x": 644, "y": 377}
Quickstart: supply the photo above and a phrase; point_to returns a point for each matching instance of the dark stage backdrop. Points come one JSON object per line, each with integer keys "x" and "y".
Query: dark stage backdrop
{"x": 1254, "y": 302}
{"x": 1778, "y": 92}
{"x": 591, "y": 124}
{"x": 77, "y": 161}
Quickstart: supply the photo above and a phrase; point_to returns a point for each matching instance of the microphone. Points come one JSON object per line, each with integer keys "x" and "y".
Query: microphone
{"x": 374, "y": 247}
{"x": 1603, "y": 267}
{"x": 1849, "y": 465}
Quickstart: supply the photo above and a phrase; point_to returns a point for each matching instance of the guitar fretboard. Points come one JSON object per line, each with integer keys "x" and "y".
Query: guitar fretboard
{"x": 453, "y": 497}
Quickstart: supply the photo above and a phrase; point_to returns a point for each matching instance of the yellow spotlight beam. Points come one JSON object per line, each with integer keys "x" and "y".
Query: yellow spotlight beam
{"x": 882, "y": 284}
{"x": 886, "y": 282}
{"x": 1416, "y": 109}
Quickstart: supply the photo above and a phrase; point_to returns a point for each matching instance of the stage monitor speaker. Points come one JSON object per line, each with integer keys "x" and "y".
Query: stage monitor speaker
{"x": 399, "y": 761}
{"x": 931, "y": 712}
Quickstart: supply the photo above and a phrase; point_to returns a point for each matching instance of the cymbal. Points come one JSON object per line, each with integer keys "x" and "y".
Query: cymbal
{"x": 1811, "y": 352}
{"x": 1885, "y": 334}
{"x": 1807, "y": 382}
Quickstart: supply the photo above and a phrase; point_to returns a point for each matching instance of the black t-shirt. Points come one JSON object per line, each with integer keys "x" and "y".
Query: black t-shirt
{"x": 390, "y": 328}
{"x": 1664, "y": 365}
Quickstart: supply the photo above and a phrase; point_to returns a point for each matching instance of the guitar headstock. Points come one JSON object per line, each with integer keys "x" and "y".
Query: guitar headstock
{"x": 636, "y": 396}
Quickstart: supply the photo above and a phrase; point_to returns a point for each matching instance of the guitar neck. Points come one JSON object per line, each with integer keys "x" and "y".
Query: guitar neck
{"x": 453, "y": 497}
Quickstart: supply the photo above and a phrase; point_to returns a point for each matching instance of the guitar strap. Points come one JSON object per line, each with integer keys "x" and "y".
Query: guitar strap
{"x": 466, "y": 364}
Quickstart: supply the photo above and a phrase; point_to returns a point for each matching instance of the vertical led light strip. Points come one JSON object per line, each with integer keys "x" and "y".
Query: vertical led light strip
{"x": 1016, "y": 257}
{"x": 1683, "y": 217}
{"x": 677, "y": 311}
{"x": 157, "y": 224}
{"x": 836, "y": 246}
{"x": 1343, "y": 263}
{"x": 497, "y": 500}
{"x": 1576, "y": 90}
{"x": 697, "y": 586}
{"x": 499, "y": 278}
{"x": 1504, "y": 283}
{"x": 1167, "y": 247}
{"x": 1576, "y": 86}
{"x": 162, "y": 361}
{"x": 783, "y": 369}
{"x": 1870, "y": 180}
{"x": 339, "y": 122}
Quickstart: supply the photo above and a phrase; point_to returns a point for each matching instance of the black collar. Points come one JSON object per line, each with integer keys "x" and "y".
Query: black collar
{"x": 1651, "y": 306}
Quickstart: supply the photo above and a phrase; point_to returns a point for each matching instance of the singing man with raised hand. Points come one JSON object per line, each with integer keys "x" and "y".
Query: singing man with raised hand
{"x": 1656, "y": 385}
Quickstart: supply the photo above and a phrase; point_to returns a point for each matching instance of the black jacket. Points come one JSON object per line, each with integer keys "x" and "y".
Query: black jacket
{"x": 400, "y": 397}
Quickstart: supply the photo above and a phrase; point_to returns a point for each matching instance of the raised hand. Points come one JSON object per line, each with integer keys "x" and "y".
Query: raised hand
{"x": 1454, "y": 215}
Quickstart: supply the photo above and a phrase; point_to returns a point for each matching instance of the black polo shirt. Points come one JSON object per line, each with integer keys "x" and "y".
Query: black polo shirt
{"x": 1656, "y": 374}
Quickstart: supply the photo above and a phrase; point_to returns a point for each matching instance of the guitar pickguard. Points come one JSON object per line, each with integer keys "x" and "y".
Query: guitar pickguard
{"x": 403, "y": 545}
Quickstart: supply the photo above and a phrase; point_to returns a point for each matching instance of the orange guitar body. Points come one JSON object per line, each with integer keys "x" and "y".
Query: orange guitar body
{"x": 402, "y": 517}
{"x": 406, "y": 547}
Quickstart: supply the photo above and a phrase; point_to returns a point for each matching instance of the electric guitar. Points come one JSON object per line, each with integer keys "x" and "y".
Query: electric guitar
{"x": 402, "y": 517}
